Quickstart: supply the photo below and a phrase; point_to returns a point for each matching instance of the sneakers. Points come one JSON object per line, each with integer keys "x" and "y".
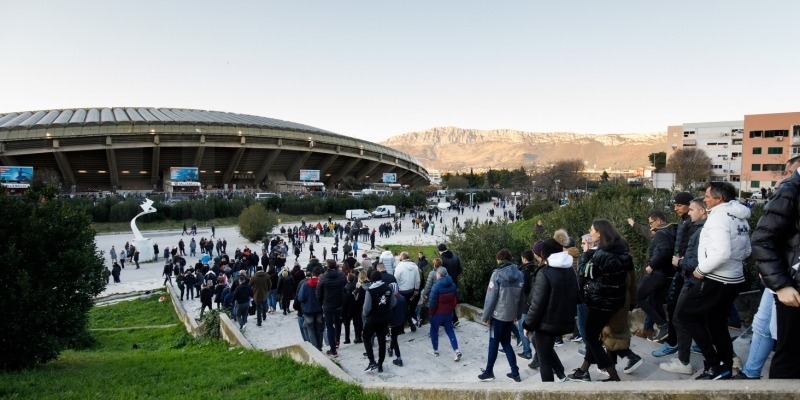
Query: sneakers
{"x": 523, "y": 355}
{"x": 576, "y": 338}
{"x": 413, "y": 328}
{"x": 715, "y": 373}
{"x": 665, "y": 350}
{"x": 332, "y": 354}
{"x": 741, "y": 375}
{"x": 455, "y": 324}
{"x": 534, "y": 364}
{"x": 457, "y": 357}
{"x": 663, "y": 332}
{"x": 514, "y": 378}
{"x": 696, "y": 349}
{"x": 561, "y": 379}
{"x": 633, "y": 363}
{"x": 397, "y": 362}
{"x": 559, "y": 342}
{"x": 580, "y": 376}
{"x": 434, "y": 353}
{"x": 485, "y": 376}
{"x": 675, "y": 365}
{"x": 601, "y": 371}
{"x": 371, "y": 367}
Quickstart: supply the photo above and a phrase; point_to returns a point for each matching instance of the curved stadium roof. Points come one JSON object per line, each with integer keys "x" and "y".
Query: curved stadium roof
{"x": 21, "y": 132}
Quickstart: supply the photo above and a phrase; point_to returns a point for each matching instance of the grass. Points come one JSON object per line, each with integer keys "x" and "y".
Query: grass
{"x": 430, "y": 252}
{"x": 107, "y": 227}
{"x": 134, "y": 313}
{"x": 167, "y": 363}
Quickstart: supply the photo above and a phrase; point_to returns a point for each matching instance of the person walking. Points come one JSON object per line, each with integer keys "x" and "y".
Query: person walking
{"x": 396, "y": 322}
{"x": 184, "y": 230}
{"x": 552, "y": 306}
{"x": 122, "y": 257}
{"x": 115, "y": 271}
{"x": 312, "y": 312}
{"x": 286, "y": 290}
{"x": 181, "y": 247}
{"x": 407, "y": 275}
{"x": 136, "y": 258}
{"x": 155, "y": 252}
{"x": 113, "y": 255}
{"x": 379, "y": 300}
{"x": 443, "y": 300}
{"x": 206, "y": 297}
{"x": 261, "y": 284}
{"x": 453, "y": 265}
{"x": 241, "y": 296}
{"x": 179, "y": 279}
{"x": 606, "y": 270}
{"x": 167, "y": 274}
{"x": 329, "y": 292}
{"x": 504, "y": 303}
{"x": 189, "y": 281}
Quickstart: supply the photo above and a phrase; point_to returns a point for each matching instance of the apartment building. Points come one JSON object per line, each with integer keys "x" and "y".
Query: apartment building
{"x": 435, "y": 177}
{"x": 769, "y": 141}
{"x": 722, "y": 141}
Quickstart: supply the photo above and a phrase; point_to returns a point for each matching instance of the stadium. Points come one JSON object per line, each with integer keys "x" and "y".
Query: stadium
{"x": 109, "y": 149}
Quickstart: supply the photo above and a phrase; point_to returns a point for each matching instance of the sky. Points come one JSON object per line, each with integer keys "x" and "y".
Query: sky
{"x": 374, "y": 69}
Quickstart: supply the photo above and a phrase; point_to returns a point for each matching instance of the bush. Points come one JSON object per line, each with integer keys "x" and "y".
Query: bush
{"x": 255, "y": 222}
{"x": 477, "y": 249}
{"x": 46, "y": 299}
{"x": 537, "y": 207}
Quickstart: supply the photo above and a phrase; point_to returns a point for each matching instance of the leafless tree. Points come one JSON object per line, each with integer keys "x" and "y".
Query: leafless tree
{"x": 567, "y": 172}
{"x": 689, "y": 165}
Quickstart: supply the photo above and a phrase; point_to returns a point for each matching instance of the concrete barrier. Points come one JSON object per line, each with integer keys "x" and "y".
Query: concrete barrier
{"x": 191, "y": 325}
{"x": 664, "y": 390}
{"x": 307, "y": 354}
{"x": 230, "y": 332}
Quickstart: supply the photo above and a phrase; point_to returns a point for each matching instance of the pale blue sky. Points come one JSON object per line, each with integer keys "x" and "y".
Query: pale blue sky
{"x": 372, "y": 69}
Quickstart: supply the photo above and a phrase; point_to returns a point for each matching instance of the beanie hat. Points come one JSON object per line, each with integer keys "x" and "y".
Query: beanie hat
{"x": 683, "y": 198}
{"x": 551, "y": 246}
{"x": 442, "y": 247}
{"x": 537, "y": 248}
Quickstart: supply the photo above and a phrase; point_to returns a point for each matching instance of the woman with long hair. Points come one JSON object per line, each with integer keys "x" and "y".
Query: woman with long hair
{"x": 604, "y": 293}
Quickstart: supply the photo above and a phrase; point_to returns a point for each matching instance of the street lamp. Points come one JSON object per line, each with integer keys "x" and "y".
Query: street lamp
{"x": 557, "y": 182}
{"x": 533, "y": 189}
{"x": 515, "y": 194}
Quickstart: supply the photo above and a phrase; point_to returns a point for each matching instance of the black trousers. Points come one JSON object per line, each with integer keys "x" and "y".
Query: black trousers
{"x": 548, "y": 358}
{"x": 596, "y": 320}
{"x": 395, "y": 331}
{"x": 378, "y": 328}
{"x": 704, "y": 313}
{"x": 346, "y": 322}
{"x": 787, "y": 351}
{"x": 657, "y": 285}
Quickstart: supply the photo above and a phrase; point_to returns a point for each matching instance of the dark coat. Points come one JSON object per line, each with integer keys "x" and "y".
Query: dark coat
{"x": 330, "y": 289}
{"x": 660, "y": 250}
{"x": 689, "y": 261}
{"x": 349, "y": 304}
{"x": 260, "y": 283}
{"x": 776, "y": 239}
{"x": 606, "y": 274}
{"x": 286, "y": 288}
{"x": 555, "y": 295}
{"x": 452, "y": 264}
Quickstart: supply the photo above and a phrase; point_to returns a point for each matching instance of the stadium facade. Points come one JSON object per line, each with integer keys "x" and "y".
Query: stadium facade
{"x": 134, "y": 148}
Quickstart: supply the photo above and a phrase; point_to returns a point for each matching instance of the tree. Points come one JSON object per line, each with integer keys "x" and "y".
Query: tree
{"x": 689, "y": 165}
{"x": 658, "y": 160}
{"x": 566, "y": 172}
{"x": 46, "y": 177}
{"x": 255, "y": 222}
{"x": 49, "y": 275}
{"x": 457, "y": 182}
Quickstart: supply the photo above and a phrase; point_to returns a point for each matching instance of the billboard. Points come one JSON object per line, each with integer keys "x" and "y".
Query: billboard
{"x": 389, "y": 178}
{"x": 18, "y": 174}
{"x": 309, "y": 174}
{"x": 183, "y": 174}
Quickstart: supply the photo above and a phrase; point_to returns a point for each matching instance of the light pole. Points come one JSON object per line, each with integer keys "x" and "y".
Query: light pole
{"x": 616, "y": 174}
{"x": 559, "y": 197}
{"x": 515, "y": 194}
{"x": 470, "y": 198}
{"x": 533, "y": 189}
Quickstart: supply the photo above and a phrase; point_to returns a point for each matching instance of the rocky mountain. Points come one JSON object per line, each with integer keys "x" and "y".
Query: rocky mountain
{"x": 457, "y": 149}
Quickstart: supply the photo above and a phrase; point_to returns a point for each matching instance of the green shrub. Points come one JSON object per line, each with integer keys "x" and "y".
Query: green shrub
{"x": 46, "y": 302}
{"x": 537, "y": 207}
{"x": 255, "y": 222}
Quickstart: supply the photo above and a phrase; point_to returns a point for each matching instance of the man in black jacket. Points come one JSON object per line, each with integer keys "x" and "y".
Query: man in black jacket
{"x": 776, "y": 247}
{"x": 330, "y": 292}
{"x": 452, "y": 264}
{"x": 659, "y": 272}
{"x": 241, "y": 296}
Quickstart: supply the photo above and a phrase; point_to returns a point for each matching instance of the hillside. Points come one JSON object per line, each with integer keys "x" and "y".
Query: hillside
{"x": 457, "y": 149}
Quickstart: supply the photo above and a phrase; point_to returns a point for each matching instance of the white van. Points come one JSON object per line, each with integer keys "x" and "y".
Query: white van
{"x": 384, "y": 211}
{"x": 262, "y": 196}
{"x": 355, "y": 215}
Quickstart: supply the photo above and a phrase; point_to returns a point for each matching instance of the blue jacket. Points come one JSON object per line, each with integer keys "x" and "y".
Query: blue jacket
{"x": 443, "y": 297}
{"x": 308, "y": 298}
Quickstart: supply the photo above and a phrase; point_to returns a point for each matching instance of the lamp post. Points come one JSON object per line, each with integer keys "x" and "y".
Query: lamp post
{"x": 616, "y": 174}
{"x": 557, "y": 181}
{"x": 515, "y": 194}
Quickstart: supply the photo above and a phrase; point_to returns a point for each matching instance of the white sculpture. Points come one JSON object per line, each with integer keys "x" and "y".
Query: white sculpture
{"x": 143, "y": 245}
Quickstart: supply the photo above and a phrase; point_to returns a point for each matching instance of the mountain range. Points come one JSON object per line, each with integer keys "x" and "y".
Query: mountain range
{"x": 457, "y": 149}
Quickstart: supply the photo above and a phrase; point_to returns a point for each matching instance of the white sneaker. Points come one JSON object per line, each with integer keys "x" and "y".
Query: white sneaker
{"x": 675, "y": 365}
{"x": 433, "y": 353}
{"x": 458, "y": 356}
{"x": 601, "y": 371}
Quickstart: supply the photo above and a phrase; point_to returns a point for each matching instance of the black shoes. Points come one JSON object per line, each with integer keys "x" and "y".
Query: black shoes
{"x": 741, "y": 375}
{"x": 663, "y": 332}
{"x": 380, "y": 369}
{"x": 580, "y": 376}
{"x": 371, "y": 367}
{"x": 514, "y": 378}
{"x": 633, "y": 363}
{"x": 534, "y": 364}
{"x": 715, "y": 373}
{"x": 485, "y": 376}
{"x": 398, "y": 362}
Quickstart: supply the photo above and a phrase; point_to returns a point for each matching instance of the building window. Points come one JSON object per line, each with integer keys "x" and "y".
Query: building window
{"x": 773, "y": 167}
{"x": 756, "y": 167}
{"x": 754, "y": 134}
{"x": 795, "y": 150}
{"x": 755, "y": 184}
{"x": 773, "y": 183}
{"x": 736, "y": 154}
{"x": 735, "y": 178}
{"x": 774, "y": 150}
{"x": 756, "y": 150}
{"x": 737, "y": 142}
{"x": 776, "y": 133}
{"x": 674, "y": 134}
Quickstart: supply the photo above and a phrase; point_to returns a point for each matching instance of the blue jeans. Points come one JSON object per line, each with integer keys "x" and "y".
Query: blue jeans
{"x": 333, "y": 323}
{"x": 302, "y": 328}
{"x": 500, "y": 335}
{"x": 314, "y": 326}
{"x": 762, "y": 343}
{"x": 582, "y": 311}
{"x": 272, "y": 297}
{"x": 241, "y": 313}
{"x": 155, "y": 257}
{"x": 526, "y": 344}
{"x": 445, "y": 320}
{"x": 261, "y": 311}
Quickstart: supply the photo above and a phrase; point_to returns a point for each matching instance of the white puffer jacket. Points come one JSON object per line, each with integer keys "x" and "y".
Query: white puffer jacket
{"x": 724, "y": 243}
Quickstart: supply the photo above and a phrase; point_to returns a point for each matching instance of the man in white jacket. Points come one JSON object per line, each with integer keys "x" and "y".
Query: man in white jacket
{"x": 724, "y": 244}
{"x": 387, "y": 259}
{"x": 407, "y": 275}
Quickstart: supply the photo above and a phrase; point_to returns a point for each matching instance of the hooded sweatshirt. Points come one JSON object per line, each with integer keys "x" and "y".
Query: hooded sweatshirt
{"x": 307, "y": 297}
{"x": 724, "y": 243}
{"x": 388, "y": 261}
{"x": 505, "y": 298}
